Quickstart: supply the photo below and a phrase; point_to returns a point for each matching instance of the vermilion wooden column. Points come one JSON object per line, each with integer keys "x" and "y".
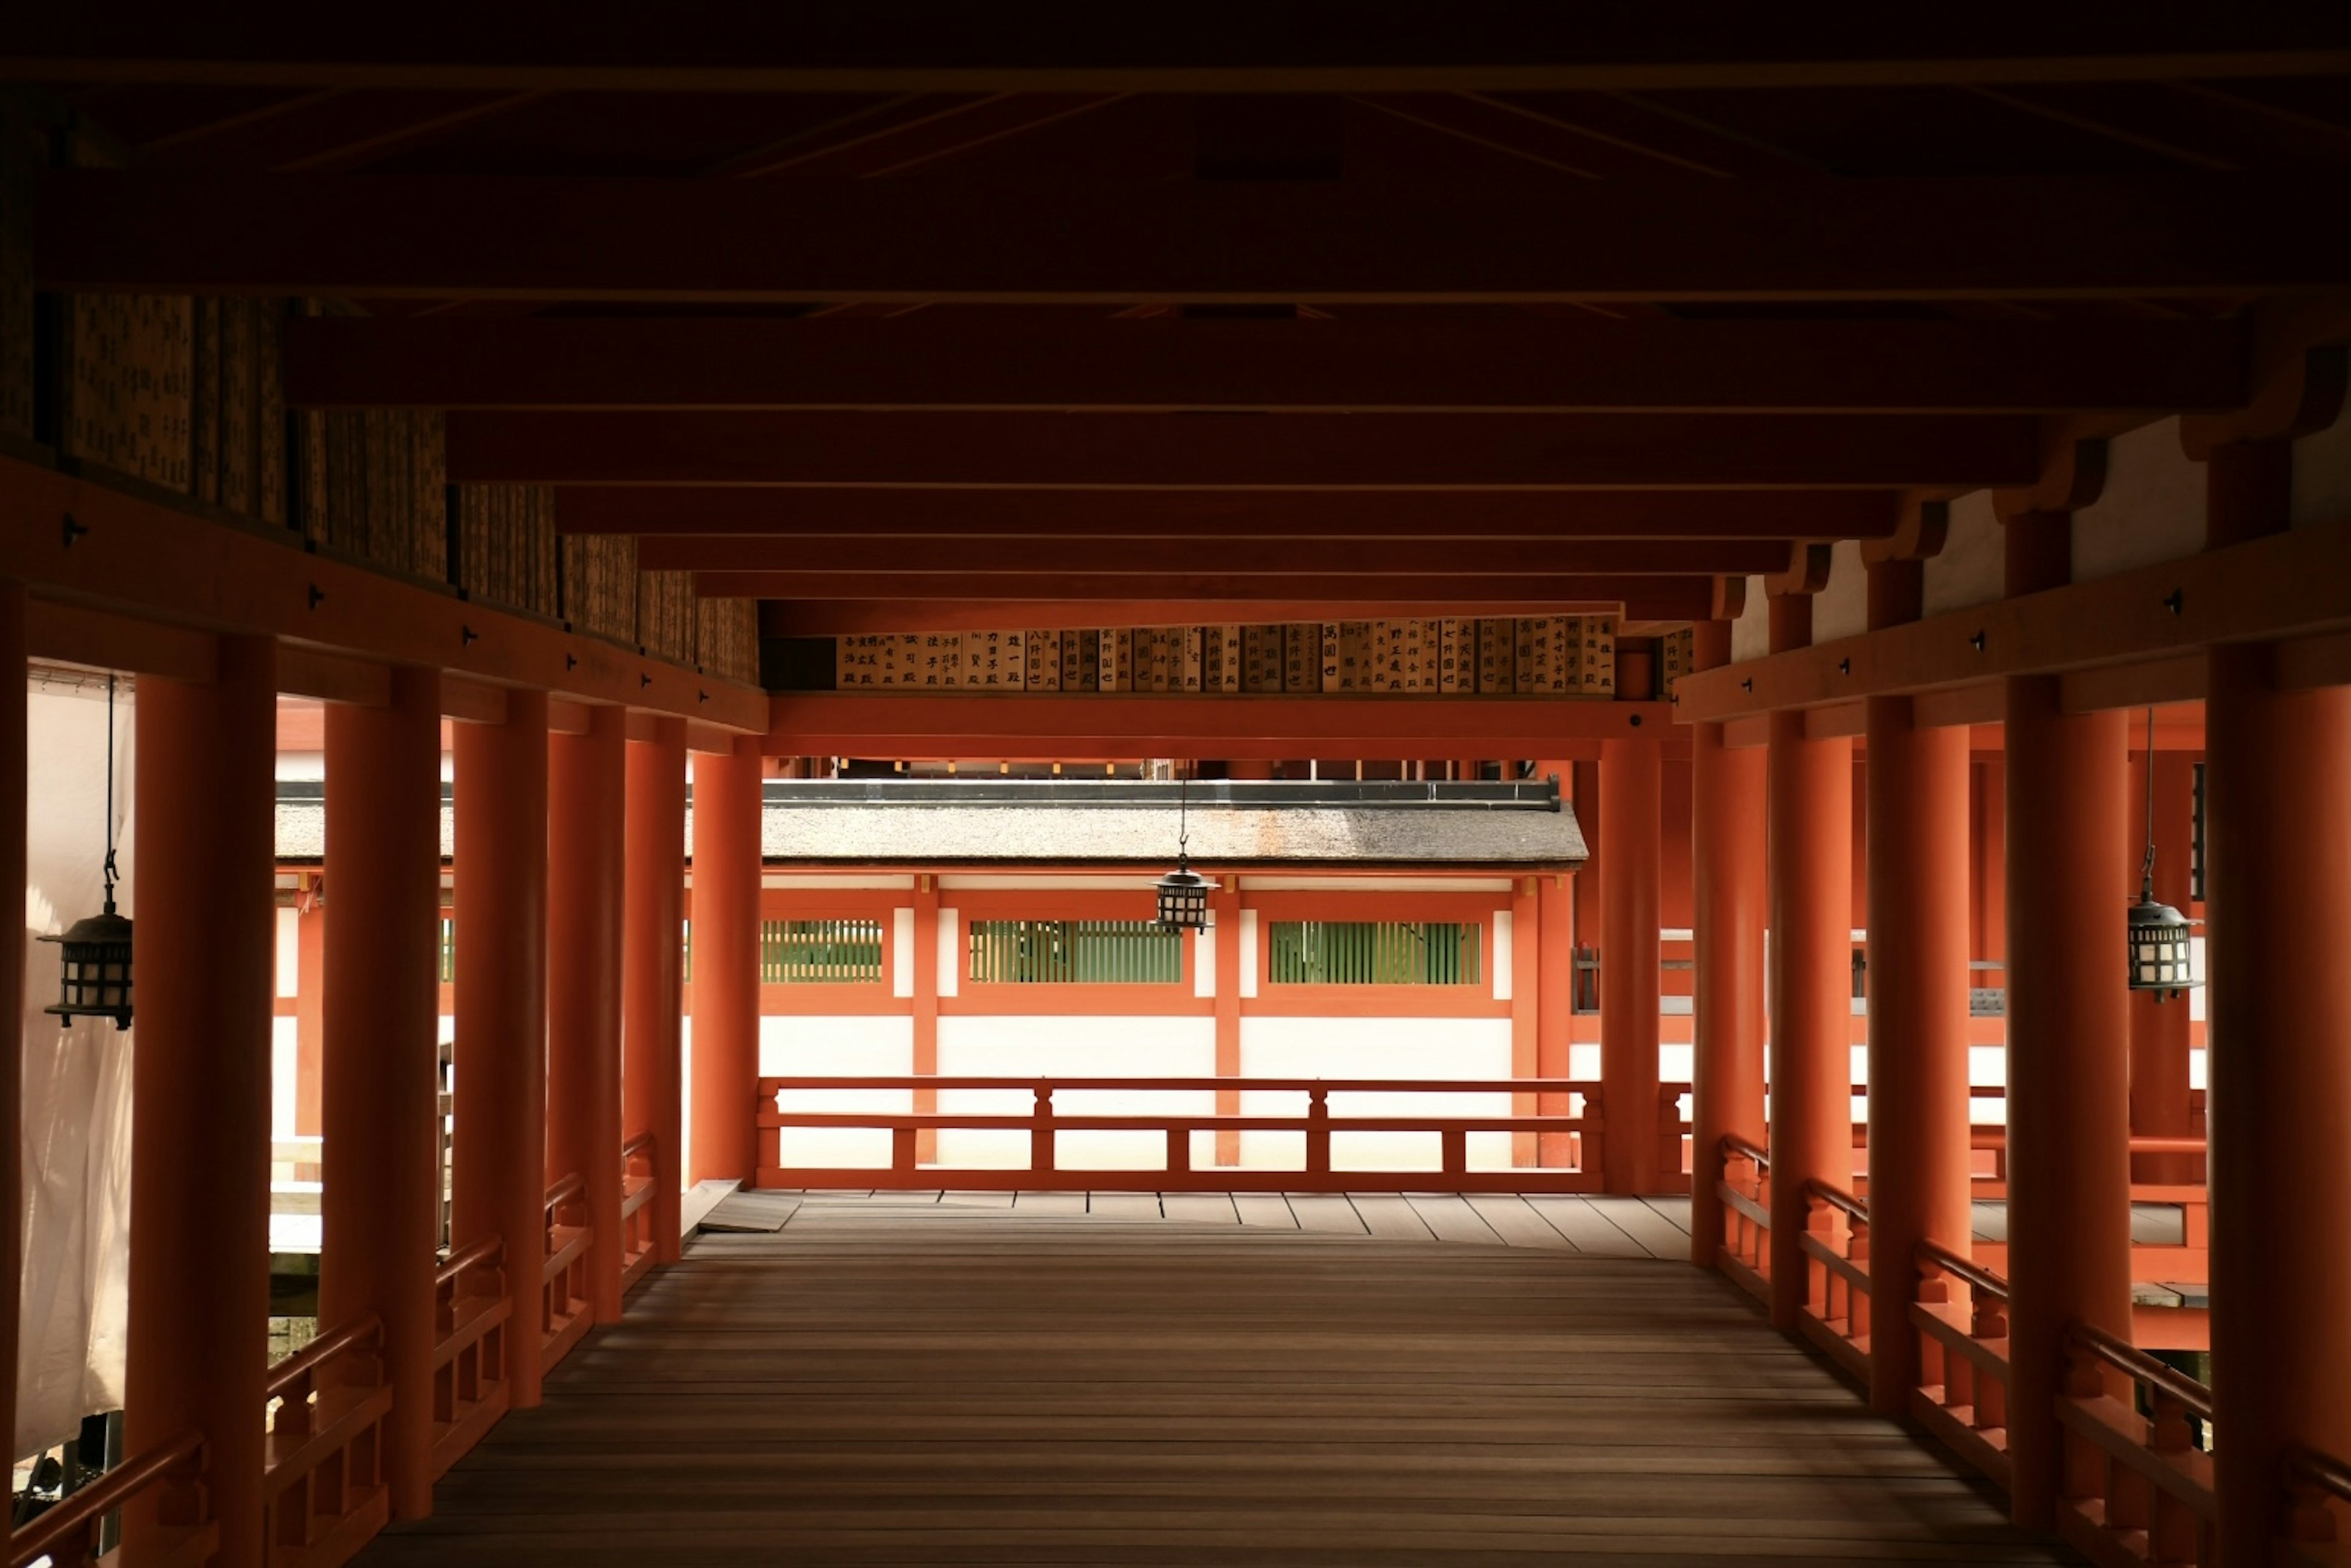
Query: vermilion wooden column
{"x": 379, "y": 1211}
{"x": 925, "y": 1007}
{"x": 1225, "y": 907}
{"x": 653, "y": 900}
{"x": 2278, "y": 896}
{"x": 2162, "y": 1100}
{"x": 2068, "y": 1038}
{"x": 1919, "y": 928}
{"x": 1555, "y": 980}
{"x": 1526, "y": 993}
{"x": 1729, "y": 911}
{"x": 1631, "y": 783}
{"x": 1809, "y": 871}
{"x": 499, "y": 1159}
{"x": 199, "y": 1308}
{"x": 587, "y": 821}
{"x": 727, "y": 803}
{"x": 13, "y": 825}
{"x": 310, "y": 1017}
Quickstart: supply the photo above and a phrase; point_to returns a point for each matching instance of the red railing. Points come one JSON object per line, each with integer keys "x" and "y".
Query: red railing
{"x": 1043, "y": 1124}
{"x": 67, "y": 1536}
{"x": 563, "y": 1277}
{"x": 2135, "y": 1487}
{"x": 1741, "y": 1181}
{"x": 2319, "y": 1495}
{"x": 1962, "y": 1396}
{"x": 470, "y": 1309}
{"x": 324, "y": 1494}
{"x": 636, "y": 1208}
{"x": 1835, "y": 1244}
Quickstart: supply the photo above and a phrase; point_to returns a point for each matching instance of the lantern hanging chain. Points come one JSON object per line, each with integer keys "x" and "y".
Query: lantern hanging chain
{"x": 2147, "y": 866}
{"x": 109, "y": 872}
{"x": 1182, "y": 821}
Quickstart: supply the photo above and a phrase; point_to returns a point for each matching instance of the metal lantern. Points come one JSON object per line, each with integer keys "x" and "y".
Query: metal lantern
{"x": 2159, "y": 959}
{"x": 1183, "y": 893}
{"x": 96, "y": 970}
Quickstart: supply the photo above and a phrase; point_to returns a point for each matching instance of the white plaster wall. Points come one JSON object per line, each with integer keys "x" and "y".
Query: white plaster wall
{"x": 1033, "y": 1047}
{"x": 1502, "y": 940}
{"x": 282, "y": 1048}
{"x": 1376, "y": 1048}
{"x": 2321, "y": 476}
{"x": 1751, "y": 634}
{"x": 1972, "y": 566}
{"x": 811, "y": 1046}
{"x": 289, "y": 952}
{"x": 1841, "y": 608}
{"x": 2152, "y": 508}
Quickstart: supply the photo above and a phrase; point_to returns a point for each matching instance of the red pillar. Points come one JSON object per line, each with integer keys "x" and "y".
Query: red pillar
{"x": 1728, "y": 916}
{"x": 1917, "y": 802}
{"x": 13, "y": 762}
{"x": 1809, "y": 871}
{"x": 379, "y": 1211}
{"x": 586, "y": 822}
{"x": 1225, "y": 905}
{"x": 199, "y": 1302}
{"x": 310, "y": 1015}
{"x": 1631, "y": 779}
{"x": 653, "y": 912}
{"x": 499, "y": 1157}
{"x": 2161, "y": 1098}
{"x": 1555, "y": 980}
{"x": 727, "y": 798}
{"x": 1526, "y": 995}
{"x": 2278, "y": 887}
{"x": 925, "y": 1009}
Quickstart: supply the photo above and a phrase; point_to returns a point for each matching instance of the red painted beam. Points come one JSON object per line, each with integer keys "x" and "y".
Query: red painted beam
{"x": 815, "y": 513}
{"x": 1483, "y": 363}
{"x": 846, "y": 618}
{"x": 1273, "y": 556}
{"x": 1250, "y": 451}
{"x": 971, "y": 587}
{"x": 1335, "y": 242}
{"x": 1107, "y": 725}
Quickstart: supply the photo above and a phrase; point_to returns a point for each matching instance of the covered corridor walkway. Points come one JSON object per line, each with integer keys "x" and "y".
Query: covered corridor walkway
{"x": 887, "y": 1379}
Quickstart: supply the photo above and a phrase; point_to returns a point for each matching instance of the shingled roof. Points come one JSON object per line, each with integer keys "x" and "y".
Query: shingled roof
{"x": 1124, "y": 824}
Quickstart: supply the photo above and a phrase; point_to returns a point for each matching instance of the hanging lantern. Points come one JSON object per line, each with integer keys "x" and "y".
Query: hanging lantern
{"x": 2159, "y": 932}
{"x": 96, "y": 970}
{"x": 1183, "y": 893}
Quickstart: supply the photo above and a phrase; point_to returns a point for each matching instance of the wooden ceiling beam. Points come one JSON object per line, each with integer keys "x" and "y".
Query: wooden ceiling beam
{"x": 902, "y": 46}
{"x": 657, "y": 512}
{"x": 1324, "y": 243}
{"x": 1507, "y": 364}
{"x": 1274, "y": 557}
{"x": 1248, "y": 450}
{"x": 851, "y": 618}
{"x": 1690, "y": 595}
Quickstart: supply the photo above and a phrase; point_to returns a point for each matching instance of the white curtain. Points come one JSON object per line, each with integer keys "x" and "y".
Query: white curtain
{"x": 77, "y": 1136}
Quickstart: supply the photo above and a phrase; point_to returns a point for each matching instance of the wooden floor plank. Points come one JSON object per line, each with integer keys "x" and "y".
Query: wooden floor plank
{"x": 1048, "y": 1203}
{"x": 1326, "y": 1212}
{"x": 1644, "y": 1225}
{"x": 1268, "y": 1209}
{"x": 1674, "y": 1208}
{"x": 1200, "y": 1207}
{"x": 1451, "y": 1219}
{"x": 950, "y": 1385}
{"x": 1515, "y": 1223}
{"x": 978, "y": 1199}
{"x": 1388, "y": 1214}
{"x": 1125, "y": 1205}
{"x": 1585, "y": 1227}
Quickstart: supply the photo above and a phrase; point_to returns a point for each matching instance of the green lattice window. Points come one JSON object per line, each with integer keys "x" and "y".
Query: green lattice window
{"x": 448, "y": 951}
{"x": 820, "y": 952}
{"x": 1074, "y": 952}
{"x": 1375, "y": 953}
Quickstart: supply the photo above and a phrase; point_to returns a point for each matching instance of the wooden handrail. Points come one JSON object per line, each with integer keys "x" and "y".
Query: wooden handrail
{"x": 488, "y": 1250}
{"x": 1837, "y": 1199}
{"x": 1934, "y": 1255}
{"x": 567, "y": 1190}
{"x": 2132, "y": 1361}
{"x": 47, "y": 1536}
{"x": 1205, "y": 1122}
{"x": 771, "y": 1086}
{"x": 1732, "y": 1143}
{"x": 296, "y": 1368}
{"x": 642, "y": 1144}
{"x": 2322, "y": 1472}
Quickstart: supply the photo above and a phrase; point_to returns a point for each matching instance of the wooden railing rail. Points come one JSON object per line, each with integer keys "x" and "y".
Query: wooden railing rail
{"x": 563, "y": 1273}
{"x": 1741, "y": 1179}
{"x": 2318, "y": 1490}
{"x": 324, "y": 1493}
{"x": 1044, "y": 1123}
{"x": 1835, "y": 1244}
{"x": 1962, "y": 1396}
{"x": 67, "y": 1536}
{"x": 470, "y": 1311}
{"x": 2135, "y": 1487}
{"x": 636, "y": 1208}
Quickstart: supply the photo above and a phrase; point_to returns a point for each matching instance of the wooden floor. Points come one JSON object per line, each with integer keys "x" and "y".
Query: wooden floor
{"x": 920, "y": 1379}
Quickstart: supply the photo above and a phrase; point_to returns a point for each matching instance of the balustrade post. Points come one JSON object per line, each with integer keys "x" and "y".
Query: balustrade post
{"x": 1318, "y": 1132}
{"x": 1040, "y": 1137}
{"x": 380, "y": 1210}
{"x": 204, "y": 796}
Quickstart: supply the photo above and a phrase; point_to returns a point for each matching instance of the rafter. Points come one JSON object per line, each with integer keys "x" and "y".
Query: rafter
{"x": 1155, "y": 451}
{"x": 1271, "y": 555}
{"x": 1474, "y": 364}
{"x": 1310, "y": 242}
{"x": 1676, "y": 597}
{"x": 848, "y": 617}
